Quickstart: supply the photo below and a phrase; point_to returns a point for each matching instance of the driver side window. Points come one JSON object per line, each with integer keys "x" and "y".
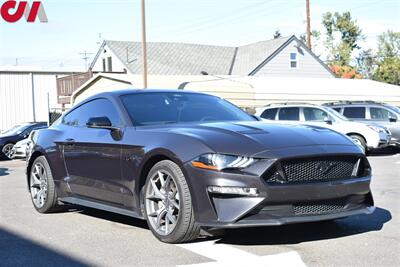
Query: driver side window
{"x": 314, "y": 114}
{"x": 96, "y": 108}
{"x": 381, "y": 114}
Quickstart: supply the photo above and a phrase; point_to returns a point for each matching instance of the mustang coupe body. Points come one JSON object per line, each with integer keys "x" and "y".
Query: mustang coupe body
{"x": 187, "y": 161}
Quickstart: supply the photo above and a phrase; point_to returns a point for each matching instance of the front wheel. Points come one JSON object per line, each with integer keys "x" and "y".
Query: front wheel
{"x": 41, "y": 184}
{"x": 168, "y": 204}
{"x": 360, "y": 141}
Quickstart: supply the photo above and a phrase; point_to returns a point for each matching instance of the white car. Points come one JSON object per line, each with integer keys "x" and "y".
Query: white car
{"x": 368, "y": 137}
{"x": 21, "y": 148}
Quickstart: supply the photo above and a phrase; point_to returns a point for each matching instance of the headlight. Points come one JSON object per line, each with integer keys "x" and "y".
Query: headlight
{"x": 376, "y": 129}
{"x": 220, "y": 162}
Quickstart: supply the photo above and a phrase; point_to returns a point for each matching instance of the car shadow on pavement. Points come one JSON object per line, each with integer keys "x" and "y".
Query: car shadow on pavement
{"x": 16, "y": 250}
{"x": 305, "y": 232}
{"x": 4, "y": 171}
{"x": 387, "y": 151}
{"x": 114, "y": 217}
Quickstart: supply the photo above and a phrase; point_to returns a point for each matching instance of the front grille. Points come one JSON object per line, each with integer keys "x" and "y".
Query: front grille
{"x": 320, "y": 169}
{"x": 320, "y": 208}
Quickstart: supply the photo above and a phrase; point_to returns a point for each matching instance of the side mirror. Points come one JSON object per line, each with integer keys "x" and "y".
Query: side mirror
{"x": 99, "y": 122}
{"x": 327, "y": 120}
{"x": 392, "y": 119}
{"x": 104, "y": 123}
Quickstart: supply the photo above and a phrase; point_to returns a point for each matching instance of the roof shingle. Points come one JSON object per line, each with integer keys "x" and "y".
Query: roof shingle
{"x": 193, "y": 59}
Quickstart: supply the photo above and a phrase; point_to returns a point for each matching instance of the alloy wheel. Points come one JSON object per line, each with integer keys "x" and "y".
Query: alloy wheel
{"x": 358, "y": 143}
{"x": 162, "y": 203}
{"x": 38, "y": 185}
{"x": 7, "y": 150}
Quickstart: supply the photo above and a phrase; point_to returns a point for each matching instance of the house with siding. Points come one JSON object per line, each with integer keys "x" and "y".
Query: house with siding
{"x": 281, "y": 57}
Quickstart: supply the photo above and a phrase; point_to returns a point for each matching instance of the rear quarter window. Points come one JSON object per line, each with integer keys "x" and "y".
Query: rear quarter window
{"x": 269, "y": 114}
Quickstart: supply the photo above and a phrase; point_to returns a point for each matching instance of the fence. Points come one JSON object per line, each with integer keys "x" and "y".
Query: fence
{"x": 55, "y": 114}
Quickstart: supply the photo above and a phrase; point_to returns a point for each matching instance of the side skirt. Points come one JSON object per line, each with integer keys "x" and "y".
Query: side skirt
{"x": 99, "y": 206}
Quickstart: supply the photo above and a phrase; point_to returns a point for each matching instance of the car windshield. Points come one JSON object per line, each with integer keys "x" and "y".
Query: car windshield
{"x": 16, "y": 129}
{"x": 395, "y": 109}
{"x": 169, "y": 107}
{"x": 336, "y": 114}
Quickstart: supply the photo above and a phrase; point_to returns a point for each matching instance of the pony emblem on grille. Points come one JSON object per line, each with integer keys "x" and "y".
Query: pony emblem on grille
{"x": 325, "y": 167}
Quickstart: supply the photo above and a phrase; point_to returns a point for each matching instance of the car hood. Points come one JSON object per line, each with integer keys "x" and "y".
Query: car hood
{"x": 5, "y": 138}
{"x": 254, "y": 137}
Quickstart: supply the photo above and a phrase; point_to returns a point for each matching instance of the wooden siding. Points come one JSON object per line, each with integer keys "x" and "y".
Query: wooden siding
{"x": 308, "y": 66}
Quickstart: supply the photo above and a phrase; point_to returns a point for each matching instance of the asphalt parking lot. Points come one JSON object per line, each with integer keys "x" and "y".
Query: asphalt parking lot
{"x": 83, "y": 237}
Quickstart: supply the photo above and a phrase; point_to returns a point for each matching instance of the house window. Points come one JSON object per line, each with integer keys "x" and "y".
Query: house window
{"x": 109, "y": 64}
{"x": 293, "y": 61}
{"x": 104, "y": 65}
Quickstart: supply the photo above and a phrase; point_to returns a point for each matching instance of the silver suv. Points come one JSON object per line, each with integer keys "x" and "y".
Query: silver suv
{"x": 368, "y": 137}
{"x": 372, "y": 113}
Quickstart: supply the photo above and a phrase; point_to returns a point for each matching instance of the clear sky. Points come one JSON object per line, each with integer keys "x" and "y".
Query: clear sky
{"x": 74, "y": 26}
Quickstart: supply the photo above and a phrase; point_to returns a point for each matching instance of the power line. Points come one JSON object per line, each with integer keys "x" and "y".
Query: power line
{"x": 234, "y": 20}
{"x": 86, "y": 58}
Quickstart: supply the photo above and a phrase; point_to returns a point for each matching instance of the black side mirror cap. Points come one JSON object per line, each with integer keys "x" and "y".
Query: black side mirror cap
{"x": 99, "y": 122}
{"x": 105, "y": 123}
{"x": 328, "y": 121}
{"x": 392, "y": 119}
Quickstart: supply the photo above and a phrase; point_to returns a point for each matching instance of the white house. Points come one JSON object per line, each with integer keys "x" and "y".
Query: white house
{"x": 281, "y": 57}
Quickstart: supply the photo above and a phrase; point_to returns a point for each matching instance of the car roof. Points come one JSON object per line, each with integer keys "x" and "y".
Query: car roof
{"x": 355, "y": 103}
{"x": 118, "y": 93}
{"x": 282, "y": 105}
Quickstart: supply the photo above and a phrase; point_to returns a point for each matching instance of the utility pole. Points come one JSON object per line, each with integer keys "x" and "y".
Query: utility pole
{"x": 308, "y": 24}
{"x": 144, "y": 44}
{"x": 86, "y": 58}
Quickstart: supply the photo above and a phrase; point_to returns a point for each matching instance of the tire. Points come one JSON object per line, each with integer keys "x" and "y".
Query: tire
{"x": 172, "y": 202}
{"x": 6, "y": 151}
{"x": 360, "y": 141}
{"x": 41, "y": 186}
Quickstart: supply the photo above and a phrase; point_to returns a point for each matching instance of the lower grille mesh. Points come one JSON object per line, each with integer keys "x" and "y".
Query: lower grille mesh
{"x": 319, "y": 208}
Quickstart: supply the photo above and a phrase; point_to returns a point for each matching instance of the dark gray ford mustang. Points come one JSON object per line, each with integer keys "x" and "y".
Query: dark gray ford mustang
{"x": 187, "y": 161}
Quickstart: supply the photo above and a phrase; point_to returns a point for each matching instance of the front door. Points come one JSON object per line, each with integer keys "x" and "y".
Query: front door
{"x": 92, "y": 156}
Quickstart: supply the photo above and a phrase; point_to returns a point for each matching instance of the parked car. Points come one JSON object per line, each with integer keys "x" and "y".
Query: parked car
{"x": 22, "y": 148}
{"x": 185, "y": 161}
{"x": 17, "y": 133}
{"x": 373, "y": 113}
{"x": 366, "y": 136}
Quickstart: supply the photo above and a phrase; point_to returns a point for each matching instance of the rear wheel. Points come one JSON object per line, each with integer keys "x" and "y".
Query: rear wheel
{"x": 41, "y": 184}
{"x": 168, "y": 204}
{"x": 360, "y": 141}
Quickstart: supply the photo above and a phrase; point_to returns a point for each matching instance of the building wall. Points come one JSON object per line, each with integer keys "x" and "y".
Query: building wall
{"x": 117, "y": 65}
{"x": 307, "y": 65}
{"x": 100, "y": 86}
{"x": 251, "y": 92}
{"x": 18, "y": 104}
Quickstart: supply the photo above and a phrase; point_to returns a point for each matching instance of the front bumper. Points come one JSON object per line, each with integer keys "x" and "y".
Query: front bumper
{"x": 275, "y": 204}
{"x": 18, "y": 152}
{"x": 394, "y": 142}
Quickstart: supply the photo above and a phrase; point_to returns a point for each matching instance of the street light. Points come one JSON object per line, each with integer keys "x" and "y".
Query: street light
{"x": 144, "y": 45}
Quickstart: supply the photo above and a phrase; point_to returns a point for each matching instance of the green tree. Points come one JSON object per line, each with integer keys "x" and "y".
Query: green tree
{"x": 389, "y": 44}
{"x": 388, "y": 58}
{"x": 343, "y": 35}
{"x": 366, "y": 63}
